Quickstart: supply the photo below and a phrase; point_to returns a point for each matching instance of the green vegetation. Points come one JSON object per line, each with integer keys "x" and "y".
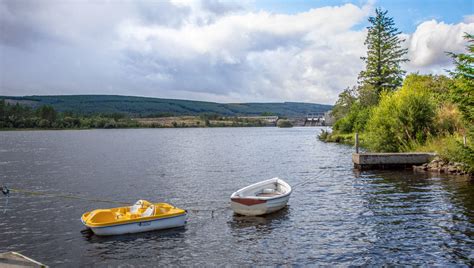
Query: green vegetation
{"x": 14, "y": 116}
{"x": 384, "y": 55}
{"x": 423, "y": 113}
{"x": 284, "y": 123}
{"x": 87, "y": 105}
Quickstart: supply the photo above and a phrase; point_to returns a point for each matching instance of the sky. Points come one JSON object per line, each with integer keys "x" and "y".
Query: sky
{"x": 211, "y": 50}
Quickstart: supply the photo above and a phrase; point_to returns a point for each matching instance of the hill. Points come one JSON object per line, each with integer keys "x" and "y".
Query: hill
{"x": 143, "y": 106}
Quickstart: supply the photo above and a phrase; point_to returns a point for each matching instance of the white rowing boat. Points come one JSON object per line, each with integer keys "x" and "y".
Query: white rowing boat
{"x": 261, "y": 198}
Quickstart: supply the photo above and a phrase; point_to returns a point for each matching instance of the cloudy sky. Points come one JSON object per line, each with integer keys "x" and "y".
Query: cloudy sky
{"x": 244, "y": 51}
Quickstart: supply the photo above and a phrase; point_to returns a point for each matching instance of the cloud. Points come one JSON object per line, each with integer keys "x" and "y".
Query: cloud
{"x": 469, "y": 18}
{"x": 209, "y": 50}
{"x": 428, "y": 45}
{"x": 256, "y": 55}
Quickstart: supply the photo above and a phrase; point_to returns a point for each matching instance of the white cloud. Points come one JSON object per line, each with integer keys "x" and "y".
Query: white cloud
{"x": 428, "y": 45}
{"x": 469, "y": 18}
{"x": 209, "y": 50}
{"x": 256, "y": 55}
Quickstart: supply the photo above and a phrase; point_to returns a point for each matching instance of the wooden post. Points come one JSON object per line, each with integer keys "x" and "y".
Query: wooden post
{"x": 464, "y": 140}
{"x": 357, "y": 142}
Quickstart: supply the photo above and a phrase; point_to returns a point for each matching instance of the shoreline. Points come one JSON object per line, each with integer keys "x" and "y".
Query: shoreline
{"x": 439, "y": 165}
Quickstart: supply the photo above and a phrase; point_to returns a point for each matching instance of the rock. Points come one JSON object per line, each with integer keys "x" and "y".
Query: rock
{"x": 452, "y": 169}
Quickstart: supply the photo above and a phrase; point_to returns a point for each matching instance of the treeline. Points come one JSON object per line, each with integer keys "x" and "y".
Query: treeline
{"x": 14, "y": 116}
{"x": 156, "y": 107}
{"x": 17, "y": 116}
{"x": 416, "y": 113}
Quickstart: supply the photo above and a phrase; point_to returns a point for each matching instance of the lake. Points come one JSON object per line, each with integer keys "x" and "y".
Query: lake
{"x": 339, "y": 216}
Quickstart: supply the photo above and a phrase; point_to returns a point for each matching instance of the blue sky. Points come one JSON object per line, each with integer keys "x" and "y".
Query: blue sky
{"x": 406, "y": 13}
{"x": 213, "y": 50}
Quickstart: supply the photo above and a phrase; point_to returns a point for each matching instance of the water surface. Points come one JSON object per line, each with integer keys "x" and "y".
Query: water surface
{"x": 339, "y": 216}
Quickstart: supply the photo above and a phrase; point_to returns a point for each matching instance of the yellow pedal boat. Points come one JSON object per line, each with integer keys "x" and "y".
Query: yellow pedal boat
{"x": 141, "y": 217}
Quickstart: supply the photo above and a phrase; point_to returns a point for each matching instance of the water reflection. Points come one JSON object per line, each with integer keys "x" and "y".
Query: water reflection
{"x": 406, "y": 208}
{"x": 89, "y": 236}
{"x": 264, "y": 223}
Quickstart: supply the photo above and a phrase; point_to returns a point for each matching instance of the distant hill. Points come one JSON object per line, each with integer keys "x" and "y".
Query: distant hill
{"x": 142, "y": 106}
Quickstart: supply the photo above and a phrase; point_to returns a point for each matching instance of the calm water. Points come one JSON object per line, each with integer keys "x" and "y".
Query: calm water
{"x": 339, "y": 217}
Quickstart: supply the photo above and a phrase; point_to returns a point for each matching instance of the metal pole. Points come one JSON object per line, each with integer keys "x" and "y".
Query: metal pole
{"x": 357, "y": 142}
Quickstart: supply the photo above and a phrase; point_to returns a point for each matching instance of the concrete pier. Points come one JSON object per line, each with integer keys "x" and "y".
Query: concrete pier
{"x": 367, "y": 161}
{"x": 16, "y": 260}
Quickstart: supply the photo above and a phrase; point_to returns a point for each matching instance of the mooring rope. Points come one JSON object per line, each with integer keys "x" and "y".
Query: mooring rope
{"x": 67, "y": 196}
{"x": 6, "y": 191}
{"x": 310, "y": 180}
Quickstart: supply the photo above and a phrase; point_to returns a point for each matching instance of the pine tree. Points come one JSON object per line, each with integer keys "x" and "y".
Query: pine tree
{"x": 463, "y": 93}
{"x": 384, "y": 55}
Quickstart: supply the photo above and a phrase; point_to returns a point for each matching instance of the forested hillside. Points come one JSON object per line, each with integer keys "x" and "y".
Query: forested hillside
{"x": 145, "y": 107}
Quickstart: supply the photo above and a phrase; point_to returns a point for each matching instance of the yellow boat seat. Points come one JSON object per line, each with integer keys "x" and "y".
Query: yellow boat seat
{"x": 139, "y": 205}
{"x": 149, "y": 211}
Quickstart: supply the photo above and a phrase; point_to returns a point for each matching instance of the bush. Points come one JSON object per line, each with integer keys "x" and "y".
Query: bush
{"x": 43, "y": 123}
{"x": 110, "y": 124}
{"x": 450, "y": 148}
{"x": 448, "y": 119}
{"x": 401, "y": 119}
{"x": 284, "y": 123}
{"x": 355, "y": 120}
{"x": 383, "y": 126}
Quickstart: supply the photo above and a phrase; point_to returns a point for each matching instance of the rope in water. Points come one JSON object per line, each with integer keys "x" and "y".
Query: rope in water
{"x": 67, "y": 196}
{"x": 310, "y": 180}
{"x": 6, "y": 191}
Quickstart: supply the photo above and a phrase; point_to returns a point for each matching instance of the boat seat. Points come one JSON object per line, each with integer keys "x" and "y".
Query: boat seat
{"x": 149, "y": 211}
{"x": 136, "y": 206}
{"x": 268, "y": 191}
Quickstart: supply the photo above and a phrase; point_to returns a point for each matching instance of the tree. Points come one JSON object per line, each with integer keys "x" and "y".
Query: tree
{"x": 463, "y": 96}
{"x": 384, "y": 55}
{"x": 3, "y": 113}
{"x": 47, "y": 112}
{"x": 463, "y": 93}
{"x": 344, "y": 103}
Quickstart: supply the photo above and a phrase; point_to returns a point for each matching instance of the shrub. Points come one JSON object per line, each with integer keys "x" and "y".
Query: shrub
{"x": 43, "y": 123}
{"x": 416, "y": 112}
{"x": 284, "y": 123}
{"x": 451, "y": 148}
{"x": 401, "y": 119}
{"x": 355, "y": 120}
{"x": 110, "y": 124}
{"x": 383, "y": 126}
{"x": 448, "y": 119}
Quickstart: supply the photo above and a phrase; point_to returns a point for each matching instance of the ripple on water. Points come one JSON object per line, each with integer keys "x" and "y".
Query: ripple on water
{"x": 335, "y": 217}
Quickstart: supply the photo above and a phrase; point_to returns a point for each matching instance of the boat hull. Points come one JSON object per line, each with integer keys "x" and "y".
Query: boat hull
{"x": 248, "y": 208}
{"x": 261, "y": 198}
{"x": 142, "y": 226}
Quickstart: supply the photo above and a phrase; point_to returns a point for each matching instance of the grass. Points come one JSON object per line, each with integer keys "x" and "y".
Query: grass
{"x": 450, "y": 148}
{"x": 197, "y": 121}
{"x": 344, "y": 138}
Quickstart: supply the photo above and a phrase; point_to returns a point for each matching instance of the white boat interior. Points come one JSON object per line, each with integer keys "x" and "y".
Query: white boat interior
{"x": 266, "y": 189}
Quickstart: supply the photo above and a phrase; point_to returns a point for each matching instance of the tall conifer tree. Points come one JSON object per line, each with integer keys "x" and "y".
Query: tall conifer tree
{"x": 463, "y": 93}
{"x": 384, "y": 55}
